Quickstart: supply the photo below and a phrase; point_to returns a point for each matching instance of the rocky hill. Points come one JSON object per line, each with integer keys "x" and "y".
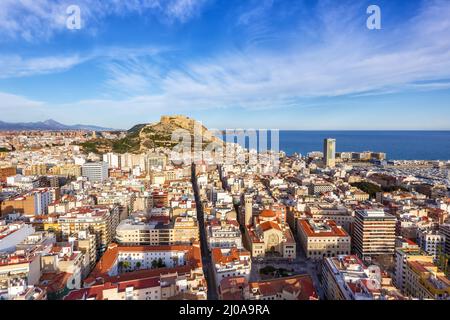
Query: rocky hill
{"x": 143, "y": 137}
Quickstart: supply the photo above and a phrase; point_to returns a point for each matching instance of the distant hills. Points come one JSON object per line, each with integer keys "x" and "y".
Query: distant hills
{"x": 48, "y": 125}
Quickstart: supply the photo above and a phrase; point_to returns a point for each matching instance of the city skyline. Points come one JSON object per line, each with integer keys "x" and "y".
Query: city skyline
{"x": 212, "y": 158}
{"x": 221, "y": 63}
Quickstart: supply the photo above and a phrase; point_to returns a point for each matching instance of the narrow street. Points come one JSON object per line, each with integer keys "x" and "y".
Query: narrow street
{"x": 206, "y": 255}
{"x": 301, "y": 265}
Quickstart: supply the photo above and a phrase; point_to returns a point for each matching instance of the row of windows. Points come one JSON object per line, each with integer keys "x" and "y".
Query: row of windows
{"x": 329, "y": 254}
{"x": 234, "y": 274}
{"x": 330, "y": 240}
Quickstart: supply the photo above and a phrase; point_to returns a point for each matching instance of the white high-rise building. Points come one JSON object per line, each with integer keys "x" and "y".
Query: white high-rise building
{"x": 95, "y": 171}
{"x": 112, "y": 159}
{"x": 329, "y": 152}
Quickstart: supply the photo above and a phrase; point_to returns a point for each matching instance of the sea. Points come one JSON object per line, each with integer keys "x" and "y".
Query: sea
{"x": 398, "y": 145}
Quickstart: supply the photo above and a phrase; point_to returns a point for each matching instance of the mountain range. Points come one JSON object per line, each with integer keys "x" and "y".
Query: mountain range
{"x": 48, "y": 125}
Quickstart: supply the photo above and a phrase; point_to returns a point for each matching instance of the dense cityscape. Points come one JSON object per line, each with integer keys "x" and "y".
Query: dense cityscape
{"x": 108, "y": 215}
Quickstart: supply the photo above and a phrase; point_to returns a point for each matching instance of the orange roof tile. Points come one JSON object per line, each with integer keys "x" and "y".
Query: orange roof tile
{"x": 269, "y": 225}
{"x": 267, "y": 214}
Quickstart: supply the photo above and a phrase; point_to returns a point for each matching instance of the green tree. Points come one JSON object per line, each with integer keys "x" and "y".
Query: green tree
{"x": 161, "y": 264}
{"x": 138, "y": 265}
{"x": 126, "y": 265}
{"x": 267, "y": 270}
{"x": 367, "y": 187}
{"x": 442, "y": 259}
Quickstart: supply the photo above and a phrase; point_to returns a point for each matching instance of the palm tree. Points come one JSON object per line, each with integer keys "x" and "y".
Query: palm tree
{"x": 126, "y": 265}
{"x": 442, "y": 259}
{"x": 138, "y": 265}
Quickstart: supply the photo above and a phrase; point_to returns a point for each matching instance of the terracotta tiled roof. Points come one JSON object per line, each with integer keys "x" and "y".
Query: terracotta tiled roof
{"x": 55, "y": 281}
{"x": 334, "y": 231}
{"x": 107, "y": 261}
{"x": 269, "y": 225}
{"x": 300, "y": 285}
{"x": 267, "y": 214}
{"x": 234, "y": 254}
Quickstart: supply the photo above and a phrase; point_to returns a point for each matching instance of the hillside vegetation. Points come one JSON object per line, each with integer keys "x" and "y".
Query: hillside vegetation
{"x": 143, "y": 137}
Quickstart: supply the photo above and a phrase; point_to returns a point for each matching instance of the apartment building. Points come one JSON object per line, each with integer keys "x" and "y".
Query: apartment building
{"x": 86, "y": 242}
{"x": 182, "y": 263}
{"x": 112, "y": 159}
{"x": 299, "y": 287}
{"x": 119, "y": 259}
{"x": 64, "y": 204}
{"x": 185, "y": 230}
{"x": 34, "y": 202}
{"x": 432, "y": 242}
{"x": 347, "y": 278}
{"x": 23, "y": 182}
{"x": 405, "y": 249}
{"x": 223, "y": 234}
{"x": 95, "y": 171}
{"x": 323, "y": 238}
{"x": 66, "y": 170}
{"x": 18, "y": 271}
{"x": 329, "y": 152}
{"x": 339, "y": 214}
{"x": 423, "y": 280}
{"x": 373, "y": 233}
{"x": 317, "y": 188}
{"x": 231, "y": 263}
{"x": 6, "y": 172}
{"x": 11, "y": 234}
{"x": 444, "y": 229}
{"x": 39, "y": 242}
{"x": 143, "y": 286}
{"x": 158, "y": 231}
{"x": 62, "y": 270}
{"x": 417, "y": 276}
{"x": 101, "y": 221}
{"x": 36, "y": 170}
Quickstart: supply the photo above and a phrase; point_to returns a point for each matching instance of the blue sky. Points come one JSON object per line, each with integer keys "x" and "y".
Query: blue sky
{"x": 304, "y": 64}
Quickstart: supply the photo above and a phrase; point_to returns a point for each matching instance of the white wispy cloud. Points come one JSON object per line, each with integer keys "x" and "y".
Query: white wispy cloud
{"x": 14, "y": 101}
{"x": 15, "y": 66}
{"x": 37, "y": 20}
{"x": 183, "y": 10}
{"x": 355, "y": 62}
{"x": 345, "y": 59}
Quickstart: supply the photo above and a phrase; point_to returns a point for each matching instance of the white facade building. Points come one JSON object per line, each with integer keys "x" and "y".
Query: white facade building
{"x": 95, "y": 171}
{"x": 112, "y": 159}
{"x": 231, "y": 263}
{"x": 432, "y": 243}
{"x": 12, "y": 234}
